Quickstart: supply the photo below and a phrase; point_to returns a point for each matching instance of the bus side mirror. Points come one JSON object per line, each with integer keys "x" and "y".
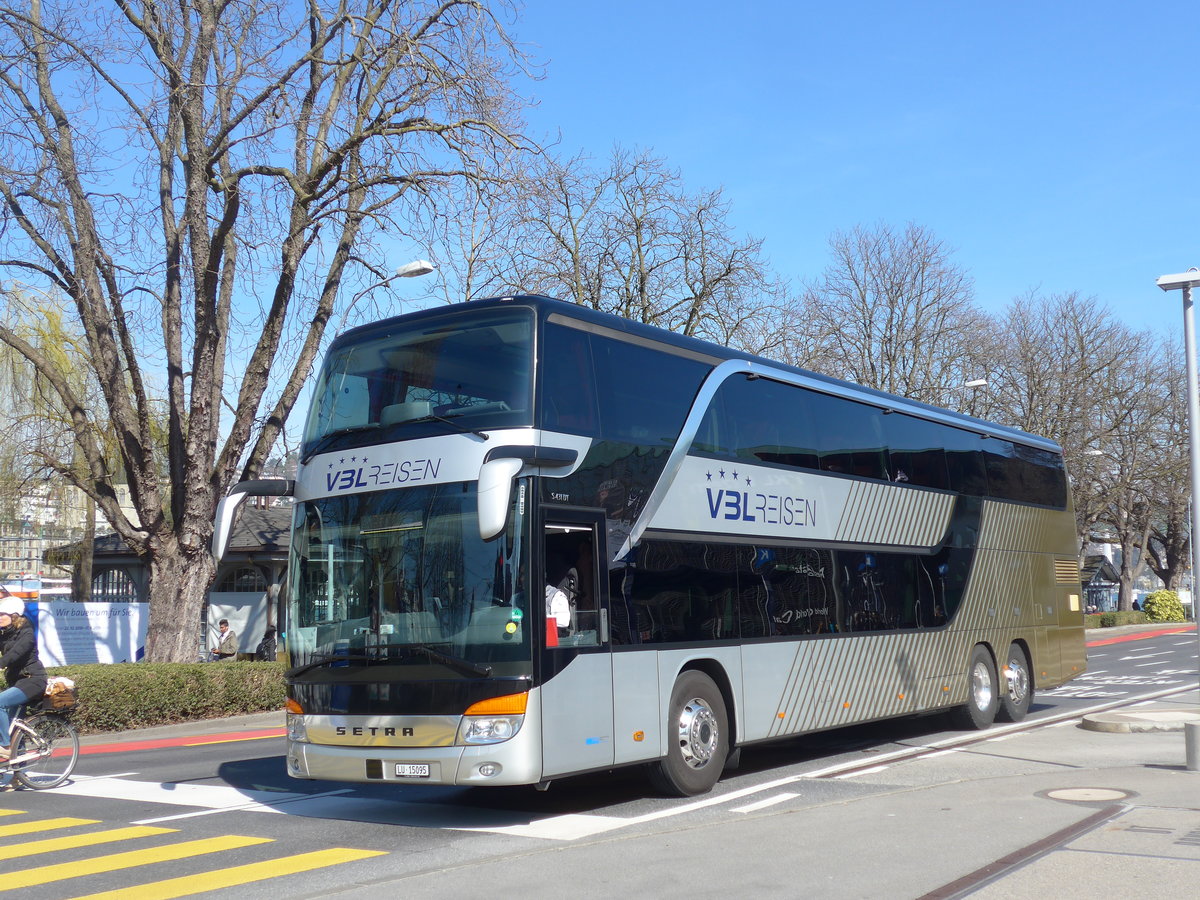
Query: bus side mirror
{"x": 223, "y": 526}
{"x": 495, "y": 493}
{"x": 496, "y": 475}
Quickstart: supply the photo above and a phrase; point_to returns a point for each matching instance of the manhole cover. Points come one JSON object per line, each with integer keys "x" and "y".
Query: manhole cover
{"x": 1087, "y": 795}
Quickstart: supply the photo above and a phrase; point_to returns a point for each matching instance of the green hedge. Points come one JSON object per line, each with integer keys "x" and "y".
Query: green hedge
{"x": 122, "y": 696}
{"x": 1113, "y": 619}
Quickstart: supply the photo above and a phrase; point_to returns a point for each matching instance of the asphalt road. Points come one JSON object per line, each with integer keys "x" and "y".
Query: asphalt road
{"x": 201, "y": 817}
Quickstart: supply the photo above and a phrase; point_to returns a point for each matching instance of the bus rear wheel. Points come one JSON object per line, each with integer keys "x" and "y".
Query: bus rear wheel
{"x": 1017, "y": 699}
{"x": 983, "y": 695}
{"x": 697, "y": 738}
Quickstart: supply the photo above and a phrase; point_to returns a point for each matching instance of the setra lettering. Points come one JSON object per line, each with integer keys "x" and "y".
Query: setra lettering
{"x": 369, "y": 731}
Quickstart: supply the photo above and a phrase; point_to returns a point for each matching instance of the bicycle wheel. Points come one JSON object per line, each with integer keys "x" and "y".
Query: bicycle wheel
{"x": 54, "y": 748}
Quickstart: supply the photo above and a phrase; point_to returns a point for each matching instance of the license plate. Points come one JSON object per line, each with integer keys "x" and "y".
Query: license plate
{"x": 412, "y": 770}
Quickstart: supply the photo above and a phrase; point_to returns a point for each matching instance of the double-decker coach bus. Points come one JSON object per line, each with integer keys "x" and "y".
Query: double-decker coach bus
{"x": 531, "y": 540}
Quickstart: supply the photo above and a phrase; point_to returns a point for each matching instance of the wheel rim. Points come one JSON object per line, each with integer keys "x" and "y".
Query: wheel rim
{"x": 699, "y": 733}
{"x": 60, "y": 745}
{"x": 1018, "y": 681}
{"x": 981, "y": 685}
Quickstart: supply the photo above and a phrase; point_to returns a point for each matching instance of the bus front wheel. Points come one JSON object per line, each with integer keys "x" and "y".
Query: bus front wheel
{"x": 697, "y": 738}
{"x": 983, "y": 695}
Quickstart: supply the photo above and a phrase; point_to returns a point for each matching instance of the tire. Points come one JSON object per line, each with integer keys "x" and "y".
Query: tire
{"x": 697, "y": 738}
{"x": 1018, "y": 696}
{"x": 57, "y": 745}
{"x": 983, "y": 692}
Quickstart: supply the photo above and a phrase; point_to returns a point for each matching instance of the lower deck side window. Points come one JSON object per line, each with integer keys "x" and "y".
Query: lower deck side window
{"x": 684, "y": 592}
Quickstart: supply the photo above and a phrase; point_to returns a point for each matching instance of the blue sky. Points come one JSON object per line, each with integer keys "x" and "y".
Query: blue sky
{"x": 1053, "y": 145}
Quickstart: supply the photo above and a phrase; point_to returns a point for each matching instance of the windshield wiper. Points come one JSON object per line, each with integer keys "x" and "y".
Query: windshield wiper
{"x": 319, "y": 445}
{"x": 465, "y": 666}
{"x": 358, "y": 656}
{"x": 455, "y": 425}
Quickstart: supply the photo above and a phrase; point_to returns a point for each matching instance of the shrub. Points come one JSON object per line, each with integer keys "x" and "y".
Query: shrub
{"x": 1163, "y": 606}
{"x": 1113, "y": 619}
{"x": 122, "y": 696}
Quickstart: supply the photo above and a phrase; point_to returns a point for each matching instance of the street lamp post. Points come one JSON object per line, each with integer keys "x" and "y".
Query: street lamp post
{"x": 971, "y": 386}
{"x": 1185, "y": 281}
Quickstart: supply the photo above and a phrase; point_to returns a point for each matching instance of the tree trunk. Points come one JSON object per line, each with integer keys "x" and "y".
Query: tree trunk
{"x": 178, "y": 585}
{"x": 81, "y": 572}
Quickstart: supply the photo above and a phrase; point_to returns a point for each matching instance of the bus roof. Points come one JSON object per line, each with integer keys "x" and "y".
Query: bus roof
{"x": 547, "y": 305}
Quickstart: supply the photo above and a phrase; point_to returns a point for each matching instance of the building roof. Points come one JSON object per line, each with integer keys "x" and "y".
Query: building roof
{"x": 261, "y": 530}
{"x": 1098, "y": 571}
{"x": 257, "y": 531}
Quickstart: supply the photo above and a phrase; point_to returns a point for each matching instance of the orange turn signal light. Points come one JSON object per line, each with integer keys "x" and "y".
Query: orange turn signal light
{"x": 293, "y": 707}
{"x": 506, "y": 705}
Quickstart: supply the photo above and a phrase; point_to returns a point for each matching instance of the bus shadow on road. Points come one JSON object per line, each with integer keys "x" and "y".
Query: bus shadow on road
{"x": 433, "y": 806}
{"x": 616, "y": 793}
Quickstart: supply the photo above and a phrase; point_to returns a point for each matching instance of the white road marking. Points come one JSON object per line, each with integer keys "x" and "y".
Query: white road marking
{"x": 763, "y": 804}
{"x": 209, "y": 798}
{"x": 855, "y": 774}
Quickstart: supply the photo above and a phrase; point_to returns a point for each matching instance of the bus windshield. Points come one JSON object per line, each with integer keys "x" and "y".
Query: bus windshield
{"x": 402, "y": 578}
{"x": 466, "y": 373}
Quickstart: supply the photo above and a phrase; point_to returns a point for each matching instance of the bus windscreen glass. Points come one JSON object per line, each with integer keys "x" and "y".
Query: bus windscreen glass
{"x": 470, "y": 374}
{"x": 402, "y": 578}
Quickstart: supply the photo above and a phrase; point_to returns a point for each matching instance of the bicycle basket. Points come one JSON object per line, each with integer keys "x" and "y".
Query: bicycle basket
{"x": 60, "y": 694}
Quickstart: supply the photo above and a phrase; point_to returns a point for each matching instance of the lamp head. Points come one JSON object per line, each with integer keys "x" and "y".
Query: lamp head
{"x": 415, "y": 269}
{"x": 1190, "y": 278}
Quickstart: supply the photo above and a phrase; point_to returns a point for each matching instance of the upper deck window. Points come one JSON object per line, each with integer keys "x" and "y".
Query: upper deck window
{"x": 470, "y": 371}
{"x": 619, "y": 390}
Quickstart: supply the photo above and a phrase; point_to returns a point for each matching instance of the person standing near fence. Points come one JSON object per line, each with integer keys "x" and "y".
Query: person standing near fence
{"x": 23, "y": 670}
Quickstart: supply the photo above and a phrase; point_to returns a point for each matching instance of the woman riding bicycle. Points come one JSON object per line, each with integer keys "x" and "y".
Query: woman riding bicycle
{"x": 23, "y": 670}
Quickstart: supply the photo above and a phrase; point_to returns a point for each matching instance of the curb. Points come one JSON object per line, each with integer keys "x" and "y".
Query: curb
{"x": 1141, "y": 722}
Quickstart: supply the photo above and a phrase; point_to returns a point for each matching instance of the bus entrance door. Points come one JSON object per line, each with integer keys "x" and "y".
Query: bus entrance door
{"x": 577, "y": 703}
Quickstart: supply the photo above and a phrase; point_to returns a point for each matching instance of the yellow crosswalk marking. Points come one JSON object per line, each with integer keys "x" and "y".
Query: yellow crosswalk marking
{"x": 43, "y": 825}
{"x": 12, "y": 812}
{"x": 90, "y": 839}
{"x": 129, "y": 859}
{"x": 235, "y": 875}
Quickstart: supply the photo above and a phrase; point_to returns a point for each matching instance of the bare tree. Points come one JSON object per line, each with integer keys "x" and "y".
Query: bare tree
{"x": 203, "y": 181}
{"x": 1072, "y": 372}
{"x": 631, "y": 240}
{"x": 1168, "y": 551}
{"x": 893, "y": 312}
{"x": 558, "y": 249}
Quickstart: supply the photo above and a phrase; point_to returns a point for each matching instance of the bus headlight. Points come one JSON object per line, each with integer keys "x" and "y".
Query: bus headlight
{"x": 488, "y": 729}
{"x": 493, "y": 720}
